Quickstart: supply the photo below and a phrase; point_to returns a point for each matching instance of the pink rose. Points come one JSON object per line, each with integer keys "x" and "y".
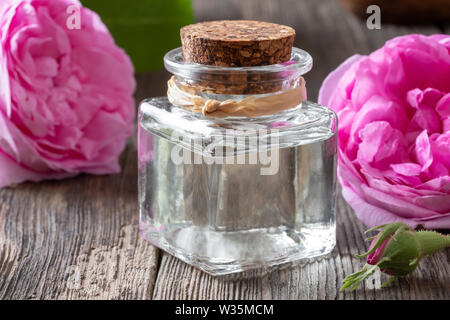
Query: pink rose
{"x": 66, "y": 102}
{"x": 394, "y": 131}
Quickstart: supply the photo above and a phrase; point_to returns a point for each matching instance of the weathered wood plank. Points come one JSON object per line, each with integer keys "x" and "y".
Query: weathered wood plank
{"x": 75, "y": 239}
{"x": 331, "y": 35}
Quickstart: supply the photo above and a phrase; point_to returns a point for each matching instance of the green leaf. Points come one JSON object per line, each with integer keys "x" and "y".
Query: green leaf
{"x": 389, "y": 282}
{"x": 355, "y": 279}
{"x": 146, "y": 29}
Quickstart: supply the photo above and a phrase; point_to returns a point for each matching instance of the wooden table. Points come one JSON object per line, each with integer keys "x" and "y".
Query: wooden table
{"x": 78, "y": 238}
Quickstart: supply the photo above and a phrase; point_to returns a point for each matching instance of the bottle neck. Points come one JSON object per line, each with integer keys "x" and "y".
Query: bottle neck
{"x": 215, "y": 100}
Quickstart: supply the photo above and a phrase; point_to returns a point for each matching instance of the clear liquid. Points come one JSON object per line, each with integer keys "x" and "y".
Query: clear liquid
{"x": 225, "y": 218}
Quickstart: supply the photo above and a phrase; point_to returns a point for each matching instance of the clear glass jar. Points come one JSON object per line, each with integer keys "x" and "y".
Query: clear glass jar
{"x": 237, "y": 193}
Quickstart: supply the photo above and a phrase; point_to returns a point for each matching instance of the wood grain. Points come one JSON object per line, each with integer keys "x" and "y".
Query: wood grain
{"x": 75, "y": 239}
{"x": 78, "y": 238}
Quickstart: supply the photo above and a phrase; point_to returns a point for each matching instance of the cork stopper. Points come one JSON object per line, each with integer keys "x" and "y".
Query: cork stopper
{"x": 237, "y": 43}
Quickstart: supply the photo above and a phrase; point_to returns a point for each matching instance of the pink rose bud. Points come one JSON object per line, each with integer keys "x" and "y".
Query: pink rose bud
{"x": 397, "y": 250}
{"x": 375, "y": 256}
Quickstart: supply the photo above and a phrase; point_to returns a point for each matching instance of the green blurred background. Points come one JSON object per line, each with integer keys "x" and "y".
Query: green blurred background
{"x": 146, "y": 29}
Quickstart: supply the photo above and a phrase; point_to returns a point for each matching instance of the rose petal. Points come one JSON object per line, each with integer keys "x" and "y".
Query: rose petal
{"x": 46, "y": 66}
{"x": 423, "y": 150}
{"x": 373, "y": 216}
{"x": 329, "y": 85}
{"x": 407, "y": 169}
{"x": 381, "y": 145}
{"x": 13, "y": 173}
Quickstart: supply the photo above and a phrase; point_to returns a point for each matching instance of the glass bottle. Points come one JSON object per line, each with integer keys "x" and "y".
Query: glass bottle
{"x": 237, "y": 193}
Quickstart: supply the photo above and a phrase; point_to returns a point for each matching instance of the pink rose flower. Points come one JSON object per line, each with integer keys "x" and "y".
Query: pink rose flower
{"x": 394, "y": 131}
{"x": 66, "y": 103}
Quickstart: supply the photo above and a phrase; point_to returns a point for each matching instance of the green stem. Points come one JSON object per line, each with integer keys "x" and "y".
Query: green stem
{"x": 432, "y": 242}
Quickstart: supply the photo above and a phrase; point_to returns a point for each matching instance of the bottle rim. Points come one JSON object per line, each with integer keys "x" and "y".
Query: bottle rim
{"x": 300, "y": 63}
